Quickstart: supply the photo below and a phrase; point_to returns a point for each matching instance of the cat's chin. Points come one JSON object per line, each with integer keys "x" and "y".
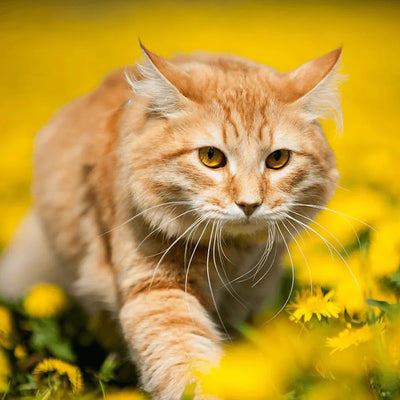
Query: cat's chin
{"x": 246, "y": 229}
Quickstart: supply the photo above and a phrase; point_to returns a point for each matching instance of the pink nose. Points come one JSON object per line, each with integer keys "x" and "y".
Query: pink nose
{"x": 248, "y": 208}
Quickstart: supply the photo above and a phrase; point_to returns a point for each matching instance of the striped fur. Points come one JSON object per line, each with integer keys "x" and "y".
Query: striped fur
{"x": 130, "y": 219}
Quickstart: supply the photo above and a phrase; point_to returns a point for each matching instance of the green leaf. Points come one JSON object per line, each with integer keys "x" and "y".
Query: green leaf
{"x": 189, "y": 391}
{"x": 107, "y": 369}
{"x": 395, "y": 278}
{"x": 63, "y": 350}
{"x": 391, "y": 310}
{"x": 46, "y": 336}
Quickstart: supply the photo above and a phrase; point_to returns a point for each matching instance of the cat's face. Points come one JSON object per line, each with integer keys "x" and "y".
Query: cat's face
{"x": 233, "y": 152}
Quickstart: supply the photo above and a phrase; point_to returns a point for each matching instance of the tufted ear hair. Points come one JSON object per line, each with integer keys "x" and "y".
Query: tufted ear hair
{"x": 314, "y": 87}
{"x": 162, "y": 83}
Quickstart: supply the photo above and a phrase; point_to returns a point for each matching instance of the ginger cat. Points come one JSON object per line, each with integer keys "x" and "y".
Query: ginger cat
{"x": 169, "y": 194}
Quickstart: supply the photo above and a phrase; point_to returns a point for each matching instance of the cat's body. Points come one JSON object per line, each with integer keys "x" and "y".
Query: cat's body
{"x": 107, "y": 157}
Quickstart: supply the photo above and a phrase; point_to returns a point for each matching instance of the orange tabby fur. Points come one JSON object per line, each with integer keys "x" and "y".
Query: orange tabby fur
{"x": 132, "y": 145}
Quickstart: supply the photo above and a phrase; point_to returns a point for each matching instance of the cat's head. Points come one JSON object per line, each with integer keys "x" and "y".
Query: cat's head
{"x": 230, "y": 142}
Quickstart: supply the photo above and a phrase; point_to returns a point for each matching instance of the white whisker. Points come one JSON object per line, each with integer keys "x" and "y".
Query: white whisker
{"x": 169, "y": 248}
{"x": 163, "y": 224}
{"x": 292, "y": 283}
{"x": 329, "y": 246}
{"x": 326, "y": 230}
{"x": 334, "y": 211}
{"x": 271, "y": 264}
{"x": 228, "y": 287}
{"x": 171, "y": 203}
{"x": 210, "y": 285}
{"x": 263, "y": 257}
{"x": 301, "y": 251}
{"x": 190, "y": 261}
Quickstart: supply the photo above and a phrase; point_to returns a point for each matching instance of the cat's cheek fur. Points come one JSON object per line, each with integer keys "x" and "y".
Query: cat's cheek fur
{"x": 167, "y": 331}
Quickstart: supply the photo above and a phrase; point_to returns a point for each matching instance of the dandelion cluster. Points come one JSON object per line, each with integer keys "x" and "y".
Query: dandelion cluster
{"x": 339, "y": 335}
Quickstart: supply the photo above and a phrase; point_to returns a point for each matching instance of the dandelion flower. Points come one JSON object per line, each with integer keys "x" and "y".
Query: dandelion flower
{"x": 243, "y": 373}
{"x": 5, "y": 371}
{"x": 306, "y": 305}
{"x": 354, "y": 337}
{"x": 60, "y": 368}
{"x": 20, "y": 352}
{"x": 6, "y": 329}
{"x": 45, "y": 301}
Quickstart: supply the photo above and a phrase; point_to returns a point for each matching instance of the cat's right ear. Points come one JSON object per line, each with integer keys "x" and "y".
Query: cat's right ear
{"x": 166, "y": 87}
{"x": 314, "y": 87}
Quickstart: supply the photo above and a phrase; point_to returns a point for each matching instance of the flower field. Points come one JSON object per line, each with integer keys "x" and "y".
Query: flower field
{"x": 339, "y": 334}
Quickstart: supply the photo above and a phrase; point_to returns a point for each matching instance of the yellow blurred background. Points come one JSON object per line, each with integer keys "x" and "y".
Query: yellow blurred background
{"x": 52, "y": 52}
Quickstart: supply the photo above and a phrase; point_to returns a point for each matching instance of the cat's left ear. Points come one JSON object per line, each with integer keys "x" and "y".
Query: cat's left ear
{"x": 314, "y": 87}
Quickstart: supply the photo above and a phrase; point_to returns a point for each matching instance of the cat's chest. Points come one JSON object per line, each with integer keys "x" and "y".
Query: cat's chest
{"x": 243, "y": 280}
{"x": 243, "y": 259}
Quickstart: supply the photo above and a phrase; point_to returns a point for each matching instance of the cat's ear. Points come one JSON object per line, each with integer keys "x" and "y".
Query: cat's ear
{"x": 314, "y": 87}
{"x": 162, "y": 83}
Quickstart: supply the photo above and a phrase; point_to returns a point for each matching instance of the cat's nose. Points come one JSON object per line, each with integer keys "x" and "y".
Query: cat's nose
{"x": 248, "y": 208}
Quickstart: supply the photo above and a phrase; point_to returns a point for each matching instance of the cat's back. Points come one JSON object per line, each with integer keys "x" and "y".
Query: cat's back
{"x": 84, "y": 116}
{"x": 75, "y": 147}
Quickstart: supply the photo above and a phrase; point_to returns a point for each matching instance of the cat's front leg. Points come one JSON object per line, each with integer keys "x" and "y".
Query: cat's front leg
{"x": 168, "y": 330}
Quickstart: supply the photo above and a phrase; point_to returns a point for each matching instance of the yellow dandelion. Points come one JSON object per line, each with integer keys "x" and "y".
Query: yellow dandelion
{"x": 6, "y": 328}
{"x": 20, "y": 352}
{"x": 60, "y": 368}
{"x": 354, "y": 337}
{"x": 243, "y": 373}
{"x": 45, "y": 301}
{"x": 306, "y": 305}
{"x": 5, "y": 372}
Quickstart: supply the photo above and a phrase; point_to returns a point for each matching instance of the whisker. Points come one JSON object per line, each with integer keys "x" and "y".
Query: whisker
{"x": 210, "y": 285}
{"x": 169, "y": 248}
{"x": 228, "y": 287}
{"x": 342, "y": 214}
{"x": 308, "y": 228}
{"x": 190, "y": 262}
{"x": 228, "y": 283}
{"x": 144, "y": 211}
{"x": 193, "y": 253}
{"x": 292, "y": 283}
{"x": 267, "y": 250}
{"x": 268, "y": 269}
{"x": 222, "y": 242}
{"x": 241, "y": 278}
{"x": 170, "y": 203}
{"x": 325, "y": 229}
{"x": 330, "y": 245}
{"x": 301, "y": 251}
{"x": 163, "y": 224}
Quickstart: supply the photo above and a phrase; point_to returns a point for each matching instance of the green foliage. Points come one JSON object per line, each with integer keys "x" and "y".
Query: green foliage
{"x": 71, "y": 337}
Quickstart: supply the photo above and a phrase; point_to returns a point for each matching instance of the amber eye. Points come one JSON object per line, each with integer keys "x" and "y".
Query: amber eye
{"x": 212, "y": 157}
{"x": 278, "y": 159}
